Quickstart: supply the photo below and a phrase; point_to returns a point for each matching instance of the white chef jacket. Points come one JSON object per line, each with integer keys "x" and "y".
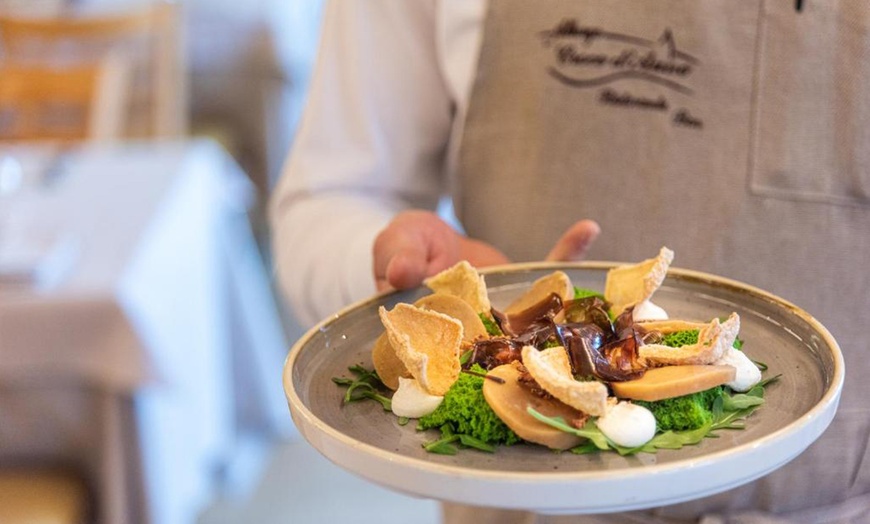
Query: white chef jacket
{"x": 379, "y": 134}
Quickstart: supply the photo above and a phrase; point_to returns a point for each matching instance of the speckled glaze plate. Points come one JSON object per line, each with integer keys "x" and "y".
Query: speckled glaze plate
{"x": 369, "y": 442}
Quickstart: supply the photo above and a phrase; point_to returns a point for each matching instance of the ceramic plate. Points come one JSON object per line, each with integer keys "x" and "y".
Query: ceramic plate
{"x": 367, "y": 441}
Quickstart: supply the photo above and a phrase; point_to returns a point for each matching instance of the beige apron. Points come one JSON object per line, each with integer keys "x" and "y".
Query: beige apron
{"x": 735, "y": 132}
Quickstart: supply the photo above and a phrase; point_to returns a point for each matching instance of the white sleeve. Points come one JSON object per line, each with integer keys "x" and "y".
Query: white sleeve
{"x": 372, "y": 142}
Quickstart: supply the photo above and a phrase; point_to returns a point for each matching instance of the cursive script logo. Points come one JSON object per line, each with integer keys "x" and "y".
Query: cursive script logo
{"x": 587, "y": 57}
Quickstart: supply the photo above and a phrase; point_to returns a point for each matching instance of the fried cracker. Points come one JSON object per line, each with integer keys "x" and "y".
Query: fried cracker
{"x": 552, "y": 371}
{"x": 632, "y": 284}
{"x": 713, "y": 339}
{"x": 387, "y": 364}
{"x": 462, "y": 280}
{"x": 427, "y": 343}
{"x": 453, "y": 306}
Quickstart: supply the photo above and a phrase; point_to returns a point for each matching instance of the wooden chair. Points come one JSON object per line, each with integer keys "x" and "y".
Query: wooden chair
{"x": 150, "y": 38}
{"x": 42, "y": 497}
{"x": 77, "y": 103}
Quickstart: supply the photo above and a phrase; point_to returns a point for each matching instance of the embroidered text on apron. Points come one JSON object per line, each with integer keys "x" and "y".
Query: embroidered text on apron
{"x": 736, "y": 133}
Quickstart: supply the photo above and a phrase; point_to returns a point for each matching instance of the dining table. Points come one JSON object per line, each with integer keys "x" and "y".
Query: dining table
{"x": 140, "y": 341}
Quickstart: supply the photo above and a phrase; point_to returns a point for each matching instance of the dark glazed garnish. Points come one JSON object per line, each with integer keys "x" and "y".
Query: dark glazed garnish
{"x": 519, "y": 323}
{"x": 596, "y": 347}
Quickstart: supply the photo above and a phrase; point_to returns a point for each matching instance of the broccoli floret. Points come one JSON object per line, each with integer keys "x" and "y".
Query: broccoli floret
{"x": 681, "y": 338}
{"x": 687, "y": 337}
{"x": 689, "y": 411}
{"x": 686, "y": 412}
{"x": 466, "y": 411}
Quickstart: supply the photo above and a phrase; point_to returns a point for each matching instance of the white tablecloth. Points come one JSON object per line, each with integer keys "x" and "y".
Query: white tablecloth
{"x": 125, "y": 362}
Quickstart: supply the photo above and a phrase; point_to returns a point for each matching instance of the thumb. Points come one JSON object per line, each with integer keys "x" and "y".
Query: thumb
{"x": 575, "y": 242}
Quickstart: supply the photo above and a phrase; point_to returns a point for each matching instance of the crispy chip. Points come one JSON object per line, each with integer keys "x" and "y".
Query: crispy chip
{"x": 713, "y": 339}
{"x": 427, "y": 343}
{"x": 453, "y": 306}
{"x": 387, "y": 364}
{"x": 556, "y": 282}
{"x": 552, "y": 371}
{"x": 462, "y": 281}
{"x": 632, "y": 284}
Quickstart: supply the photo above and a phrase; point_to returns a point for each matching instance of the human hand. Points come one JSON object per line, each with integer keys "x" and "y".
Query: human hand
{"x": 418, "y": 244}
{"x": 575, "y": 242}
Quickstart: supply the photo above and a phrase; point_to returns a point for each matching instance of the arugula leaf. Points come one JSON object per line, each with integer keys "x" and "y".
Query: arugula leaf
{"x": 676, "y": 439}
{"x": 589, "y": 430}
{"x": 442, "y": 446}
{"x": 585, "y": 448}
{"x": 445, "y": 445}
{"x": 763, "y": 384}
{"x": 476, "y": 443}
{"x": 365, "y": 386}
{"x": 740, "y": 401}
{"x": 729, "y": 412}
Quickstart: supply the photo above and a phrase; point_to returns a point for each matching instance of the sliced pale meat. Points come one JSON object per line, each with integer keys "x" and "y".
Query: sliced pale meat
{"x": 713, "y": 339}
{"x": 462, "y": 280}
{"x": 551, "y": 369}
{"x": 673, "y": 381}
{"x": 556, "y": 282}
{"x": 387, "y": 364}
{"x": 632, "y": 284}
{"x": 510, "y": 402}
{"x": 453, "y": 306}
{"x": 427, "y": 343}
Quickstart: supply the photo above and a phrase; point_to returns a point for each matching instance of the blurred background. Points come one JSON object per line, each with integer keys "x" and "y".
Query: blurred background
{"x": 141, "y": 340}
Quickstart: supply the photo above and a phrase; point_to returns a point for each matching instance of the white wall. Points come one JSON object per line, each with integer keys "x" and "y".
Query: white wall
{"x": 250, "y": 63}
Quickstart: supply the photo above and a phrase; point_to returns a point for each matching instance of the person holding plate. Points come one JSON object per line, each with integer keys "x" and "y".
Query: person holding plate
{"x": 738, "y": 134}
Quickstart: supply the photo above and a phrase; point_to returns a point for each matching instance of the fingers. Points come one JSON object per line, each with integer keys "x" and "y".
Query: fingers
{"x": 575, "y": 242}
{"x": 480, "y": 254}
{"x": 405, "y": 270}
{"x": 415, "y": 244}
{"x": 418, "y": 244}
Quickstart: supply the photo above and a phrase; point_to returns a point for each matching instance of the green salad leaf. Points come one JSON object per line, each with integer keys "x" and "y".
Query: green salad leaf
{"x": 366, "y": 384}
{"x": 729, "y": 411}
{"x": 492, "y": 328}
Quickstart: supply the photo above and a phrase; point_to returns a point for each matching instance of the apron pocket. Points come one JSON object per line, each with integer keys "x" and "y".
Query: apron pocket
{"x": 811, "y": 111}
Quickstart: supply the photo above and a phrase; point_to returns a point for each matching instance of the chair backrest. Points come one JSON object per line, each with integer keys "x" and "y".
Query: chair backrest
{"x": 83, "y": 102}
{"x": 149, "y": 37}
{"x": 42, "y": 495}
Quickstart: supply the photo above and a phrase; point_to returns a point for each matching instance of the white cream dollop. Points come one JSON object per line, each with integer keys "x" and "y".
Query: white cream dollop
{"x": 747, "y": 374}
{"x": 646, "y": 310}
{"x": 628, "y": 424}
{"x": 412, "y": 401}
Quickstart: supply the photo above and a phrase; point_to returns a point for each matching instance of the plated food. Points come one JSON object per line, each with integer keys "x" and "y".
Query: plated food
{"x": 561, "y": 366}
{"x": 368, "y": 441}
